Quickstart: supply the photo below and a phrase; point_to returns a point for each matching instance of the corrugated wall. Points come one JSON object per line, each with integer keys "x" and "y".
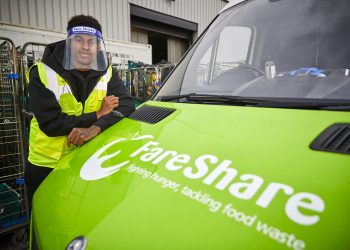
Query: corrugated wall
{"x": 114, "y": 15}
{"x": 198, "y": 11}
{"x": 54, "y": 14}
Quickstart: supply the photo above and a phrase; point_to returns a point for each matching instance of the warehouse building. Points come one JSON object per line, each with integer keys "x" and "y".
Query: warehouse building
{"x": 145, "y": 30}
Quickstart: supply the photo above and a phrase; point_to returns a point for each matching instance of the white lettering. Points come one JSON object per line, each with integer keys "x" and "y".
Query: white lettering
{"x": 144, "y": 148}
{"x": 221, "y": 176}
{"x": 201, "y": 166}
{"x": 182, "y": 158}
{"x": 222, "y": 168}
{"x": 84, "y": 28}
{"x": 313, "y": 203}
{"x": 282, "y": 237}
{"x": 154, "y": 152}
{"x": 164, "y": 155}
{"x": 238, "y": 216}
{"x": 246, "y": 190}
{"x": 270, "y": 192}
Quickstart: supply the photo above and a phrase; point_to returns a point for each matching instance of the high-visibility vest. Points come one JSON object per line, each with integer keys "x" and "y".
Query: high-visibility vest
{"x": 44, "y": 150}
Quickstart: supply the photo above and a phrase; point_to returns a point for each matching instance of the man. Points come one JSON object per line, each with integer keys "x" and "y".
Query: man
{"x": 74, "y": 95}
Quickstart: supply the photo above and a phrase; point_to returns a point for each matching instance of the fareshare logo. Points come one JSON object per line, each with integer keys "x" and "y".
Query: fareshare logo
{"x": 92, "y": 169}
{"x": 302, "y": 208}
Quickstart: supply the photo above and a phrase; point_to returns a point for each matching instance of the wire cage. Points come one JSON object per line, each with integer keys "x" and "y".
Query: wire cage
{"x": 145, "y": 81}
{"x": 119, "y": 62}
{"x": 13, "y": 205}
{"x": 123, "y": 74}
{"x": 141, "y": 79}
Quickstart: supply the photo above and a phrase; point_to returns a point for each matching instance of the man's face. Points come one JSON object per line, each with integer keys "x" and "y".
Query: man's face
{"x": 84, "y": 51}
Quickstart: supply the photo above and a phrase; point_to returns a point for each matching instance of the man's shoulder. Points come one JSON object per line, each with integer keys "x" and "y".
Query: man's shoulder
{"x": 33, "y": 70}
{"x": 115, "y": 73}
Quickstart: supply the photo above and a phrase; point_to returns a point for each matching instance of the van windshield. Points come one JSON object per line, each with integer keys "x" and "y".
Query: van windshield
{"x": 274, "y": 48}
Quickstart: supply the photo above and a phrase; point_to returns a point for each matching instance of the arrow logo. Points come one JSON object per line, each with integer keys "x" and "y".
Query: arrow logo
{"x": 92, "y": 169}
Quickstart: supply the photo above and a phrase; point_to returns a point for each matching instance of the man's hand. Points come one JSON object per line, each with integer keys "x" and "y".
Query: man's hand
{"x": 78, "y": 136}
{"x": 108, "y": 104}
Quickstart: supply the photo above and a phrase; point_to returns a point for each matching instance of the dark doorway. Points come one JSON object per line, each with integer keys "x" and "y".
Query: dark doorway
{"x": 159, "y": 46}
{"x": 169, "y": 36}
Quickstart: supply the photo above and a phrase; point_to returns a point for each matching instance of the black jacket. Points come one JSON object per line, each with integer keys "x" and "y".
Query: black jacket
{"x": 52, "y": 121}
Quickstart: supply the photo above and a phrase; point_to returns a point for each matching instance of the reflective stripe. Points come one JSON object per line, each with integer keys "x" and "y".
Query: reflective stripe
{"x": 53, "y": 85}
{"x": 103, "y": 82}
{"x": 45, "y": 150}
{"x": 107, "y": 76}
{"x": 59, "y": 89}
{"x": 102, "y": 86}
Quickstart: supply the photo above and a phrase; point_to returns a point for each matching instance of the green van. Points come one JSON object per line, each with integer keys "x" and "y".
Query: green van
{"x": 245, "y": 146}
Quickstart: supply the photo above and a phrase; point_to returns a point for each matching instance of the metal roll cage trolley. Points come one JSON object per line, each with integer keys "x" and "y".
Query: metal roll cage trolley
{"x": 15, "y": 118}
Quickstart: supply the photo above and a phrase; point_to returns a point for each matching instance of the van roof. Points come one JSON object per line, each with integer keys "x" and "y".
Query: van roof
{"x": 231, "y": 3}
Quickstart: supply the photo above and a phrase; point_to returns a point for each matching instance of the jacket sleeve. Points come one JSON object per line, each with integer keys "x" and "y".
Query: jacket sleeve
{"x": 126, "y": 103}
{"x": 52, "y": 121}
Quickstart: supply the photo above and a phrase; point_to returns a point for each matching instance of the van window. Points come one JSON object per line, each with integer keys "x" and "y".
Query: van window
{"x": 307, "y": 48}
{"x": 232, "y": 48}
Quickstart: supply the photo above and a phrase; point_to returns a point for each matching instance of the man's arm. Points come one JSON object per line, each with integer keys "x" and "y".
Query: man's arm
{"x": 79, "y": 136}
{"x": 125, "y": 106}
{"x": 52, "y": 121}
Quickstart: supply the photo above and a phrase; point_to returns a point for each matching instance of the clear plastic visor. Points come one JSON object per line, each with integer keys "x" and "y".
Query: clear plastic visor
{"x": 85, "y": 52}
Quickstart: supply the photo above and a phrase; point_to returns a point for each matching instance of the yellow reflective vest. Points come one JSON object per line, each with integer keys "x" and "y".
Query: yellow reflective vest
{"x": 45, "y": 150}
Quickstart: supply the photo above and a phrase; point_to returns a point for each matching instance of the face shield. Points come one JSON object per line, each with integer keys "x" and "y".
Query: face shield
{"x": 85, "y": 50}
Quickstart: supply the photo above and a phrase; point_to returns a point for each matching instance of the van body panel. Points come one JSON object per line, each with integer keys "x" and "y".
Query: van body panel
{"x": 156, "y": 205}
{"x": 246, "y": 145}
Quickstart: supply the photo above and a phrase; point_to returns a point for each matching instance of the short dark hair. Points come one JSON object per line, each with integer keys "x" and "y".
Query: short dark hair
{"x": 82, "y": 20}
